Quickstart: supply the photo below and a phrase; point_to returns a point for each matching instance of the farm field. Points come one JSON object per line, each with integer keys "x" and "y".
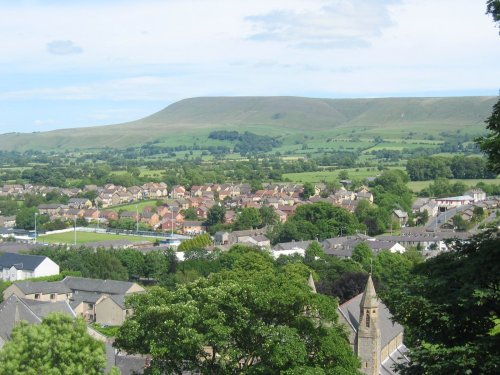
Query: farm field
{"x": 86, "y": 237}
{"x": 417, "y": 186}
{"x": 319, "y": 176}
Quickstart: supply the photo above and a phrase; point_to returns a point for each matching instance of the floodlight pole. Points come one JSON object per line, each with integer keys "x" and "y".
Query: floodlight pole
{"x": 74, "y": 229}
{"x": 36, "y": 214}
{"x": 137, "y": 218}
{"x": 97, "y": 207}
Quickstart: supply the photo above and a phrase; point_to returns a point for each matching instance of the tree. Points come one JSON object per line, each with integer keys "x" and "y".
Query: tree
{"x": 490, "y": 144}
{"x": 313, "y": 251}
{"x": 252, "y": 319}
{"x": 57, "y": 346}
{"x": 268, "y": 215}
{"x": 215, "y": 215}
{"x": 25, "y": 218}
{"x": 449, "y": 306}
{"x": 319, "y": 220}
{"x": 362, "y": 254}
{"x": 248, "y": 218}
{"x": 308, "y": 190}
{"x": 190, "y": 213}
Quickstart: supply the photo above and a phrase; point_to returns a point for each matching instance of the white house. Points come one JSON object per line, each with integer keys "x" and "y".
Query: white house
{"x": 20, "y": 267}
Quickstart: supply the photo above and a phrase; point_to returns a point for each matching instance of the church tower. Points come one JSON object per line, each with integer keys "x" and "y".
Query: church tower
{"x": 367, "y": 344}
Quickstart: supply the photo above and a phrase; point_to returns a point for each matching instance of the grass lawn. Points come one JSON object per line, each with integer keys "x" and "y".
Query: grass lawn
{"x": 86, "y": 237}
{"x": 109, "y": 331}
{"x": 132, "y": 206}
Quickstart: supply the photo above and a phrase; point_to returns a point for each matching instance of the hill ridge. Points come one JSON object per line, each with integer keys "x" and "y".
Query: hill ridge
{"x": 268, "y": 114}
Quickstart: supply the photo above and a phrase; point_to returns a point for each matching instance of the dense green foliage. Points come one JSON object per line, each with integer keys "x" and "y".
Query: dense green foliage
{"x": 252, "y": 318}
{"x": 247, "y": 142}
{"x": 198, "y": 242}
{"x": 316, "y": 221}
{"x": 449, "y": 306}
{"x": 57, "y": 346}
{"x": 432, "y": 167}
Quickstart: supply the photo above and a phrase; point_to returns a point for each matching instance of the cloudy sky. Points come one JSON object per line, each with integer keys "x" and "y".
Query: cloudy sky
{"x": 91, "y": 62}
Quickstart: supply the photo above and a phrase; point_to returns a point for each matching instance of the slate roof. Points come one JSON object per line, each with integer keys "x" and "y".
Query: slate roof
{"x": 96, "y": 285}
{"x": 292, "y": 245}
{"x": 43, "y": 308}
{"x": 21, "y": 261}
{"x": 46, "y": 287}
{"x": 388, "y": 329}
{"x": 13, "y": 310}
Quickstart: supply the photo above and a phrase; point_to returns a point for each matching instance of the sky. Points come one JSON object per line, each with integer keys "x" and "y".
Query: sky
{"x": 77, "y": 63}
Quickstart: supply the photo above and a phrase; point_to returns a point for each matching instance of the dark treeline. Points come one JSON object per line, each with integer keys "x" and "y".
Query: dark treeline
{"x": 247, "y": 142}
{"x": 432, "y": 167}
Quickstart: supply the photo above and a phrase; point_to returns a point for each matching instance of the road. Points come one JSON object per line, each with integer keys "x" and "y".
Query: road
{"x": 442, "y": 217}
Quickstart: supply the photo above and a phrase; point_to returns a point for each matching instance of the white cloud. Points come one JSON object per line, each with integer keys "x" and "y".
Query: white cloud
{"x": 63, "y": 47}
{"x": 336, "y": 24}
{"x": 157, "y": 50}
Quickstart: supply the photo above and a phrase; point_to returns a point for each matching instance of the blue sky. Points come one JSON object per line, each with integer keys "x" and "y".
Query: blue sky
{"x": 82, "y": 63}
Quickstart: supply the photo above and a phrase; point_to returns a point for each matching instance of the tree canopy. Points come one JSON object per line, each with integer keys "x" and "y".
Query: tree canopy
{"x": 251, "y": 318}
{"x": 449, "y": 306}
{"x": 57, "y": 346}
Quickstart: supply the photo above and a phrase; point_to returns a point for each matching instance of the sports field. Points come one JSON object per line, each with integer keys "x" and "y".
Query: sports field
{"x": 86, "y": 237}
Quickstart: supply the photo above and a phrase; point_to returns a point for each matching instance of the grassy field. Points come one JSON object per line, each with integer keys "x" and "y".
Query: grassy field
{"x": 86, "y": 237}
{"x": 314, "y": 177}
{"x": 417, "y": 186}
{"x": 133, "y": 206}
{"x": 361, "y": 173}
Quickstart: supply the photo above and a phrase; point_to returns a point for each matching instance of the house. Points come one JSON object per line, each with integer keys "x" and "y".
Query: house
{"x": 376, "y": 339}
{"x": 178, "y": 191}
{"x": 50, "y": 209}
{"x": 84, "y": 296}
{"x": 19, "y": 267}
{"x": 193, "y": 227}
{"x": 241, "y": 235}
{"x": 478, "y": 195}
{"x": 81, "y": 203}
{"x": 400, "y": 216}
{"x": 377, "y": 246}
{"x": 7, "y": 221}
{"x": 39, "y": 291}
{"x": 15, "y": 309}
{"x": 221, "y": 238}
{"x": 259, "y": 240}
{"x": 454, "y": 201}
{"x": 150, "y": 218}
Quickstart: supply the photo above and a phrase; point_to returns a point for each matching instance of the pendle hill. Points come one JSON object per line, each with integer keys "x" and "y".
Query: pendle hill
{"x": 190, "y": 121}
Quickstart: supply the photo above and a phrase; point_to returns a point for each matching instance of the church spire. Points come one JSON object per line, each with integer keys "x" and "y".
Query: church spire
{"x": 368, "y": 333}
{"x": 369, "y": 299}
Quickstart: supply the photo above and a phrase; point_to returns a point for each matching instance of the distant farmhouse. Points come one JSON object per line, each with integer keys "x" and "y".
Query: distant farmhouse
{"x": 15, "y": 267}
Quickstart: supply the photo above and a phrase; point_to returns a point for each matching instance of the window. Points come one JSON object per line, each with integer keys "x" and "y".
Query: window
{"x": 37, "y": 295}
{"x": 367, "y": 319}
{"x": 90, "y": 305}
{"x": 52, "y": 296}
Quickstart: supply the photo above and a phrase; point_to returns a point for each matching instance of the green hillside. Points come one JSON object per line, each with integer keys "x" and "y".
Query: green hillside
{"x": 190, "y": 120}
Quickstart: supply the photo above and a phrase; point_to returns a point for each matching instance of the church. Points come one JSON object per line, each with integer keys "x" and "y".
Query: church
{"x": 375, "y": 338}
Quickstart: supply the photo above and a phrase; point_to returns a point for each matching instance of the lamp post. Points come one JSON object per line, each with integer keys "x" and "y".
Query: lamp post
{"x": 97, "y": 207}
{"x": 74, "y": 229}
{"x": 36, "y": 214}
{"x": 137, "y": 218}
